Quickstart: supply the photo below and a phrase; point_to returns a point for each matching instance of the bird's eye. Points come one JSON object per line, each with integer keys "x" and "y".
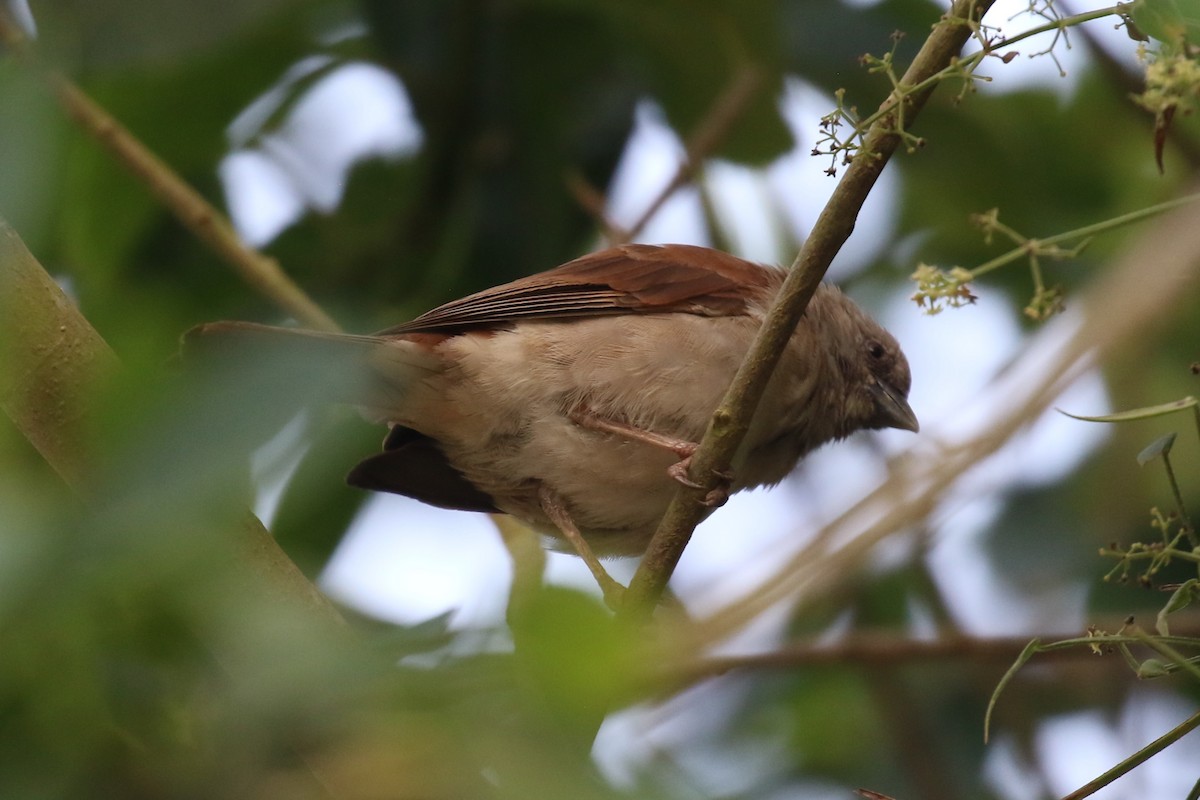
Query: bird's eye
{"x": 875, "y": 350}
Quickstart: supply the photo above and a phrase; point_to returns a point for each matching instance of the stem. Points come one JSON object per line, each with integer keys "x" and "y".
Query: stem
{"x": 1053, "y": 25}
{"x": 1150, "y": 555}
{"x": 885, "y": 651}
{"x": 1184, "y": 521}
{"x": 965, "y": 65}
{"x": 1022, "y": 250}
{"x": 1138, "y": 758}
{"x": 1196, "y": 415}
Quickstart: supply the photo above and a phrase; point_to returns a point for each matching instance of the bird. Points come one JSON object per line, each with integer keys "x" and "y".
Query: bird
{"x": 572, "y": 399}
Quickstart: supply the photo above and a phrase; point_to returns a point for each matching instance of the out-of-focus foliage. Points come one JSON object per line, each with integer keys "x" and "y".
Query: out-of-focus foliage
{"x": 137, "y": 660}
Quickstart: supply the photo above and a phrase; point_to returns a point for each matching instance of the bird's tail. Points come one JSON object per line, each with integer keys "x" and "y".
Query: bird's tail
{"x": 373, "y": 372}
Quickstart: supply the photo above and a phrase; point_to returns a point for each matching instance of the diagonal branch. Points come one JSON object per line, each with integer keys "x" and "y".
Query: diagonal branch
{"x": 714, "y": 127}
{"x": 209, "y": 225}
{"x": 834, "y": 225}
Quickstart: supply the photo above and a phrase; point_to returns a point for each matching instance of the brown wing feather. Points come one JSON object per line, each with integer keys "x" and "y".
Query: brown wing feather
{"x": 633, "y": 277}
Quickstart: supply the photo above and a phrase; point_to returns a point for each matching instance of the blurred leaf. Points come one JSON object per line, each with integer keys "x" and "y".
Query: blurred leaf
{"x": 359, "y": 261}
{"x": 1159, "y": 447}
{"x": 1170, "y": 21}
{"x": 32, "y": 135}
{"x": 1181, "y": 598}
{"x": 1152, "y": 668}
{"x": 317, "y": 506}
{"x": 823, "y": 701}
{"x": 578, "y": 659}
{"x": 1139, "y": 413}
{"x": 154, "y": 33}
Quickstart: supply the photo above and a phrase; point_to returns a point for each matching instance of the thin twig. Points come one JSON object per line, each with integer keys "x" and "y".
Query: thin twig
{"x": 593, "y": 201}
{"x": 196, "y": 214}
{"x": 875, "y": 651}
{"x": 870, "y": 651}
{"x": 834, "y": 225}
{"x": 713, "y": 129}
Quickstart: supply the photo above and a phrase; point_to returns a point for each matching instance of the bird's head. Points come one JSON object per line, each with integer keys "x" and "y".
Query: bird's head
{"x": 875, "y": 371}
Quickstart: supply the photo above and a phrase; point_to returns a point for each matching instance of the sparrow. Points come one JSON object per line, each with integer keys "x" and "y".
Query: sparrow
{"x": 572, "y": 399}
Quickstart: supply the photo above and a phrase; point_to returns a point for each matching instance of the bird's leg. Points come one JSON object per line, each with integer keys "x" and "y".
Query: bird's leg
{"x": 553, "y": 507}
{"x": 586, "y": 418}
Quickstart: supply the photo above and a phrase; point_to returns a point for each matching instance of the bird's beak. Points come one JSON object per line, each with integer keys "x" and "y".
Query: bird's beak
{"x": 893, "y": 410}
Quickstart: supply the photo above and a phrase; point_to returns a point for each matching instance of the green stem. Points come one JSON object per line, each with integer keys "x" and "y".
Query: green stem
{"x": 1138, "y": 758}
{"x": 1085, "y": 232}
{"x": 1184, "y": 520}
{"x": 1150, "y": 555}
{"x": 1060, "y": 24}
{"x": 964, "y": 65}
{"x": 1036, "y": 268}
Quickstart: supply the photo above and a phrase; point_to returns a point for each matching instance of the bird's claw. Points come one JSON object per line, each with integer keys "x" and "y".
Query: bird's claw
{"x": 716, "y": 496}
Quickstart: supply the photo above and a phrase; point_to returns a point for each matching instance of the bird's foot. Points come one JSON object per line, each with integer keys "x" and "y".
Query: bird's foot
{"x": 716, "y": 496}
{"x": 587, "y": 418}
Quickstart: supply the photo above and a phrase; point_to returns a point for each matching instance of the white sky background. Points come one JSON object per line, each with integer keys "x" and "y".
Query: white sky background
{"x": 405, "y": 561}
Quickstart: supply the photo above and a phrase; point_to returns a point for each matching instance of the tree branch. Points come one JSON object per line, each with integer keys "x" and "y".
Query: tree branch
{"x": 51, "y": 356}
{"x": 49, "y": 352}
{"x": 209, "y": 225}
{"x": 863, "y": 650}
{"x": 834, "y": 225}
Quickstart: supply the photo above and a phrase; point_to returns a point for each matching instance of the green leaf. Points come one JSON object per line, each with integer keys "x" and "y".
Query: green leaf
{"x": 1182, "y": 597}
{"x": 1159, "y": 447}
{"x": 1152, "y": 668}
{"x": 577, "y": 661}
{"x": 1172, "y": 22}
{"x": 317, "y": 507}
{"x": 1139, "y": 413}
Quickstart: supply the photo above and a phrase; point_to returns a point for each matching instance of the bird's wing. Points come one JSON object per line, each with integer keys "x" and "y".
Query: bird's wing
{"x": 620, "y": 280}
